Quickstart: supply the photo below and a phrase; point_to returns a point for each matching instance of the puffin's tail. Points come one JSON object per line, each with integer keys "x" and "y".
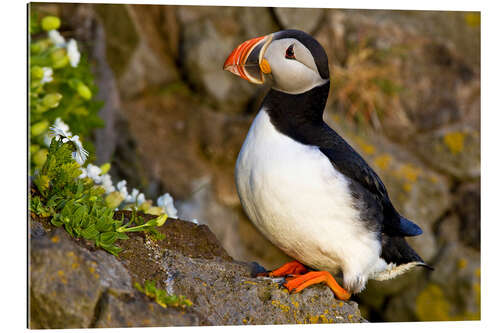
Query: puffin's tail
{"x": 397, "y": 251}
{"x": 399, "y": 256}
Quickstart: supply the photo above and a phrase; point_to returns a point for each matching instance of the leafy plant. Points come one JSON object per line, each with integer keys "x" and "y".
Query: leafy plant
{"x": 161, "y": 297}
{"x": 61, "y": 87}
{"x": 80, "y": 199}
{"x": 78, "y": 204}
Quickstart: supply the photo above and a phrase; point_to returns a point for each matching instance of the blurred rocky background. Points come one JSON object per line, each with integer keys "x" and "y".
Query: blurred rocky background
{"x": 405, "y": 93}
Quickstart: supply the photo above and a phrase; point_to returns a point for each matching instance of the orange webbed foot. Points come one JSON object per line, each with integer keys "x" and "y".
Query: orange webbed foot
{"x": 297, "y": 284}
{"x": 290, "y": 268}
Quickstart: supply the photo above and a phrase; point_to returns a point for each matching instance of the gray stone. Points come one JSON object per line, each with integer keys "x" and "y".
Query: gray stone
{"x": 72, "y": 284}
{"x": 253, "y": 300}
{"x": 67, "y": 281}
{"x": 305, "y": 19}
{"x": 135, "y": 48}
{"x": 454, "y": 150}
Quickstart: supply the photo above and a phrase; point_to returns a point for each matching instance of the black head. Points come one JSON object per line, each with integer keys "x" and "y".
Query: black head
{"x": 317, "y": 51}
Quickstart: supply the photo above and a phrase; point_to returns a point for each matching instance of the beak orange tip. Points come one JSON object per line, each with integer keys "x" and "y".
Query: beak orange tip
{"x": 237, "y": 60}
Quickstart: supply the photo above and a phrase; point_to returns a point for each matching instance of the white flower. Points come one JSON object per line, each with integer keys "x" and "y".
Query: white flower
{"x": 83, "y": 174}
{"x": 56, "y": 38}
{"x": 58, "y": 132}
{"x": 59, "y": 129}
{"x": 80, "y": 155}
{"x": 93, "y": 172}
{"x": 73, "y": 53}
{"x": 61, "y": 124}
{"x": 122, "y": 188}
{"x": 141, "y": 198}
{"x": 195, "y": 221}
{"x": 47, "y": 74}
{"x": 167, "y": 203}
{"x": 134, "y": 197}
{"x": 107, "y": 183}
{"x": 131, "y": 197}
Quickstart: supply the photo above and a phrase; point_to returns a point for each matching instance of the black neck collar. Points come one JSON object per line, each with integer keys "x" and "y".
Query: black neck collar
{"x": 299, "y": 116}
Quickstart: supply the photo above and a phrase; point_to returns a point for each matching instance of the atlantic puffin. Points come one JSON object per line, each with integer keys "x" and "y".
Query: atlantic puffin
{"x": 303, "y": 186}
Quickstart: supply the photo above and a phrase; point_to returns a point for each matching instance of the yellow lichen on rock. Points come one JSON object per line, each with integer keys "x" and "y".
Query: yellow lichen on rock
{"x": 366, "y": 148}
{"x": 432, "y": 304}
{"x": 62, "y": 276}
{"x": 473, "y": 19}
{"x": 283, "y": 307}
{"x": 409, "y": 172}
{"x": 461, "y": 263}
{"x": 383, "y": 161}
{"x": 313, "y": 319}
{"x": 454, "y": 141}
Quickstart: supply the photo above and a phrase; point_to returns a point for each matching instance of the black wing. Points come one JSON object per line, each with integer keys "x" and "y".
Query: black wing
{"x": 367, "y": 186}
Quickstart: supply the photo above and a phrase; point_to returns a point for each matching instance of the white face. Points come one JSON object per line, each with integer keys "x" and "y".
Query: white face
{"x": 293, "y": 76}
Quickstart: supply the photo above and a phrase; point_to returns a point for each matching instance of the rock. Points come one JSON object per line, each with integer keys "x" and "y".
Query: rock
{"x": 124, "y": 311}
{"x": 454, "y": 150}
{"x": 136, "y": 47}
{"x": 409, "y": 78}
{"x": 97, "y": 288}
{"x": 305, "y": 19}
{"x": 450, "y": 292}
{"x": 468, "y": 207}
{"x": 209, "y": 35}
{"x": 59, "y": 267}
{"x": 98, "y": 292}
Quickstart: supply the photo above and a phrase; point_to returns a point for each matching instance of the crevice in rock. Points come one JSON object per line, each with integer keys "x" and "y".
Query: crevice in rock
{"x": 99, "y": 306}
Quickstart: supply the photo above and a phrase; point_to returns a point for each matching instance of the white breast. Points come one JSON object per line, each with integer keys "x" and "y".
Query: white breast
{"x": 303, "y": 205}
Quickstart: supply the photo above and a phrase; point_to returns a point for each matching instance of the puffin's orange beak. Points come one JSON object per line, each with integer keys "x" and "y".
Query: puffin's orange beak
{"x": 247, "y": 60}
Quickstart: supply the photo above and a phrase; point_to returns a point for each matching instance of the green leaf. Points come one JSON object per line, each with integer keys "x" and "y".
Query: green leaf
{"x": 102, "y": 225}
{"x": 108, "y": 238}
{"x": 69, "y": 229}
{"x": 122, "y": 235}
{"x": 86, "y": 222}
{"x": 90, "y": 233}
{"x": 55, "y": 221}
{"x": 78, "y": 215}
{"x": 113, "y": 249}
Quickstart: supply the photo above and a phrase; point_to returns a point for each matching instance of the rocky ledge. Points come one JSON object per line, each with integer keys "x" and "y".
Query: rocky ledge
{"x": 73, "y": 284}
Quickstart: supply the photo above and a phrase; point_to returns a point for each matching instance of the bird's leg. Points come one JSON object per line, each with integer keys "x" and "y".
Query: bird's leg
{"x": 297, "y": 284}
{"x": 290, "y": 268}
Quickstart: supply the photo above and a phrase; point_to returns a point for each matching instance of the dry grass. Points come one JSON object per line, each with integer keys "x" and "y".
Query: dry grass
{"x": 368, "y": 84}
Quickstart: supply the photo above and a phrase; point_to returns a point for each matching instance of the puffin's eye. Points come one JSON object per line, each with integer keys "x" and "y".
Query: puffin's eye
{"x": 289, "y": 53}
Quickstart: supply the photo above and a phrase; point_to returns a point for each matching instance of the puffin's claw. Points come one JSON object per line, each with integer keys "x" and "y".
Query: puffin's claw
{"x": 301, "y": 282}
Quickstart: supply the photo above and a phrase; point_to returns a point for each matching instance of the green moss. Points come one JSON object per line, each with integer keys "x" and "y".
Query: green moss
{"x": 161, "y": 297}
